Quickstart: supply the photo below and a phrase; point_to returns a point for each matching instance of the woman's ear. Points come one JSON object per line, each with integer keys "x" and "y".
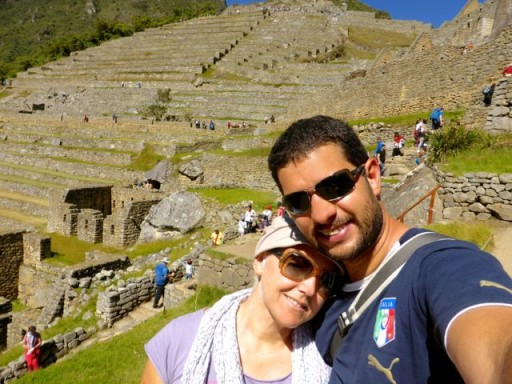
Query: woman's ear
{"x": 372, "y": 172}
{"x": 258, "y": 263}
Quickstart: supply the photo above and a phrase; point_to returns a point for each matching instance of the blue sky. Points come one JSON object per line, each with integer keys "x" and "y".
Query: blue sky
{"x": 434, "y": 12}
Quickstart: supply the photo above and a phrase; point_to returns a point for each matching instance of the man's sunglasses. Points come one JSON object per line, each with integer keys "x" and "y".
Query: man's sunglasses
{"x": 333, "y": 187}
{"x": 297, "y": 266}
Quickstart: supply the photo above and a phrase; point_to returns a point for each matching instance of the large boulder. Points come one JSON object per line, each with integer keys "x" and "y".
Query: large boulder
{"x": 177, "y": 214}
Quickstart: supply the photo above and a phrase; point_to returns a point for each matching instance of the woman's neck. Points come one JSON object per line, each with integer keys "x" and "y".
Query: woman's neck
{"x": 265, "y": 348}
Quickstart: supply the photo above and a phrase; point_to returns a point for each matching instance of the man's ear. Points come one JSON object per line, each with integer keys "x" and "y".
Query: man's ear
{"x": 372, "y": 172}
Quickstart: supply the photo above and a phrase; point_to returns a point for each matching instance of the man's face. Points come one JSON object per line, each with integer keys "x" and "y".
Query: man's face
{"x": 345, "y": 228}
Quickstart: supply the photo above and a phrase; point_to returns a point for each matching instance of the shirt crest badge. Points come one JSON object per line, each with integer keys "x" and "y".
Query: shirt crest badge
{"x": 384, "y": 330}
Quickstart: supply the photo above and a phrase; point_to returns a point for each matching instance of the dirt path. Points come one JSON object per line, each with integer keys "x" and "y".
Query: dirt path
{"x": 503, "y": 245}
{"x": 245, "y": 245}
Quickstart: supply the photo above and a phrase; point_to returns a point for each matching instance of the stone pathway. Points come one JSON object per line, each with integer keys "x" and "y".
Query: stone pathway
{"x": 503, "y": 244}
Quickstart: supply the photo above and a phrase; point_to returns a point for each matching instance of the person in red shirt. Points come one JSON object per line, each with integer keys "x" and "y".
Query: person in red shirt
{"x": 398, "y": 144}
{"x": 32, "y": 345}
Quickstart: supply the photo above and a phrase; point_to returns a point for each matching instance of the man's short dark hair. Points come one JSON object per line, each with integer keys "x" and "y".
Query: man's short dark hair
{"x": 305, "y": 135}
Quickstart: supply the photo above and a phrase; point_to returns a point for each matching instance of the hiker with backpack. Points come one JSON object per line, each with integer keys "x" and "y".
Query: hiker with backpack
{"x": 417, "y": 307}
{"x": 488, "y": 92}
{"x": 436, "y": 117}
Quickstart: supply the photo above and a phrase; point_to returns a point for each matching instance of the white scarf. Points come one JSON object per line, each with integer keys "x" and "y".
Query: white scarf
{"x": 216, "y": 336}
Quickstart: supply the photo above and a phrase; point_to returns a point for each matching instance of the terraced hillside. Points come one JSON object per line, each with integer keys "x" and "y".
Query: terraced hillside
{"x": 245, "y": 65}
{"x": 237, "y": 66}
{"x": 38, "y": 154}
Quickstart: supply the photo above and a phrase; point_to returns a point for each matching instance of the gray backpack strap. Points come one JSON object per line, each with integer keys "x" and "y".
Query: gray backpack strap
{"x": 384, "y": 275}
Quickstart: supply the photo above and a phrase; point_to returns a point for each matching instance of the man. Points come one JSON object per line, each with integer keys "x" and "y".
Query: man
{"x": 161, "y": 280}
{"x": 380, "y": 154}
{"x": 250, "y": 217}
{"x": 436, "y": 117}
{"x": 445, "y": 317}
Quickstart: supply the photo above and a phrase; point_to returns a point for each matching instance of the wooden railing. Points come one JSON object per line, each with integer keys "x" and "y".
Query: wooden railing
{"x": 432, "y": 195}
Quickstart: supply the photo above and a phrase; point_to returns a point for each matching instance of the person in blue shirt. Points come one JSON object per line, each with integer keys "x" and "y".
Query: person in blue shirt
{"x": 444, "y": 317}
{"x": 161, "y": 280}
{"x": 436, "y": 117}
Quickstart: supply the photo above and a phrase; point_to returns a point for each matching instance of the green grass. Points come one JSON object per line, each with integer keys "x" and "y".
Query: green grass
{"x": 177, "y": 245}
{"x": 146, "y": 160}
{"x": 218, "y": 255}
{"x": 476, "y": 232}
{"x": 406, "y": 120}
{"x": 378, "y": 39}
{"x": 236, "y": 195}
{"x": 70, "y": 250}
{"x": 494, "y": 159}
{"x": 11, "y": 354}
{"x": 121, "y": 359}
{"x": 49, "y": 172}
{"x": 253, "y": 152}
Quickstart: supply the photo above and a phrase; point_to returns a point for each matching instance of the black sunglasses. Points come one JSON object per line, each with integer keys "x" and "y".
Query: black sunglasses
{"x": 297, "y": 266}
{"x": 333, "y": 187}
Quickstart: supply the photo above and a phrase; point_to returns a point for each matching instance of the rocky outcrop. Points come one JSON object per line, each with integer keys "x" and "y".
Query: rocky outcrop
{"x": 177, "y": 214}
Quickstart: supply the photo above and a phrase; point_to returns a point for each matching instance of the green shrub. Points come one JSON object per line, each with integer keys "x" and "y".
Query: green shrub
{"x": 454, "y": 138}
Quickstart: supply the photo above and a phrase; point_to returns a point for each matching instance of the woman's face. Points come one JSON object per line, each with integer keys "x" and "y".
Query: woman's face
{"x": 291, "y": 303}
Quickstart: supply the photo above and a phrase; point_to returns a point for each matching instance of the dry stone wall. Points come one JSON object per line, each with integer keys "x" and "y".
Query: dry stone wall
{"x": 51, "y": 350}
{"x": 5, "y": 320}
{"x": 11, "y": 258}
{"x": 476, "y": 196}
{"x": 444, "y": 76}
{"x": 231, "y": 274}
{"x": 117, "y": 302}
{"x": 499, "y": 118}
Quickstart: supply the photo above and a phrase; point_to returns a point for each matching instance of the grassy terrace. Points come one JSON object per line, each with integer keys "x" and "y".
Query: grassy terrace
{"x": 57, "y": 174}
{"x": 95, "y": 364}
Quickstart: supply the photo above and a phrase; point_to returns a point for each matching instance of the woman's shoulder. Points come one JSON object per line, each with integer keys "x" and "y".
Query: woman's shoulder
{"x": 188, "y": 321}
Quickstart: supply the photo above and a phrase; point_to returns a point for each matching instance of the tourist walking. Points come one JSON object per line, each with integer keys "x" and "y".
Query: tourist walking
{"x": 32, "y": 346}
{"x": 161, "y": 280}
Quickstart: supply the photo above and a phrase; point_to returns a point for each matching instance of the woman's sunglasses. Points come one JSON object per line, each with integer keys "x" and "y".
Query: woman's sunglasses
{"x": 297, "y": 266}
{"x": 333, "y": 187}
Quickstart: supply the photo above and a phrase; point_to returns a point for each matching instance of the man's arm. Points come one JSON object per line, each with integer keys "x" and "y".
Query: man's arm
{"x": 150, "y": 375}
{"x": 480, "y": 345}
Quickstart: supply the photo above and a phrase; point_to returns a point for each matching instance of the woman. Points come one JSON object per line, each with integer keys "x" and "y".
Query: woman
{"x": 256, "y": 334}
{"x": 32, "y": 345}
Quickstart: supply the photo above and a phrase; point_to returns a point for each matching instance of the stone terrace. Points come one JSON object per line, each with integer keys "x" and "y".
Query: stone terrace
{"x": 237, "y": 66}
{"x": 39, "y": 153}
{"x": 253, "y": 59}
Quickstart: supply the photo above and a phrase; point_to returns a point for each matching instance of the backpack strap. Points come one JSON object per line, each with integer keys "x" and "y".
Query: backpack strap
{"x": 383, "y": 276}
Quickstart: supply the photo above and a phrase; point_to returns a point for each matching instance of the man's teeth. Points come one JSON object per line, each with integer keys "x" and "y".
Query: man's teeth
{"x": 332, "y": 232}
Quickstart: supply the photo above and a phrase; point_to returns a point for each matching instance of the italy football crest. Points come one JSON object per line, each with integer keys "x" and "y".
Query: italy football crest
{"x": 384, "y": 331}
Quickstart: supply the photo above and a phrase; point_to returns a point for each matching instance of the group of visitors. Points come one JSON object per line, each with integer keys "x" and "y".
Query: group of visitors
{"x": 395, "y": 304}
{"x": 241, "y": 124}
{"x": 250, "y": 221}
{"x": 202, "y": 124}
{"x": 270, "y": 119}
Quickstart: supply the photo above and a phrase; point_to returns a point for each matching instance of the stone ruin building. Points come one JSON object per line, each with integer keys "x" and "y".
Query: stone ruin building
{"x": 112, "y": 215}
{"x": 101, "y": 214}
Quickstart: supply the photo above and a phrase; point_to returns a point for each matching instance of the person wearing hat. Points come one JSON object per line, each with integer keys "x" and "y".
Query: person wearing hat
{"x": 161, "y": 280}
{"x": 256, "y": 334}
